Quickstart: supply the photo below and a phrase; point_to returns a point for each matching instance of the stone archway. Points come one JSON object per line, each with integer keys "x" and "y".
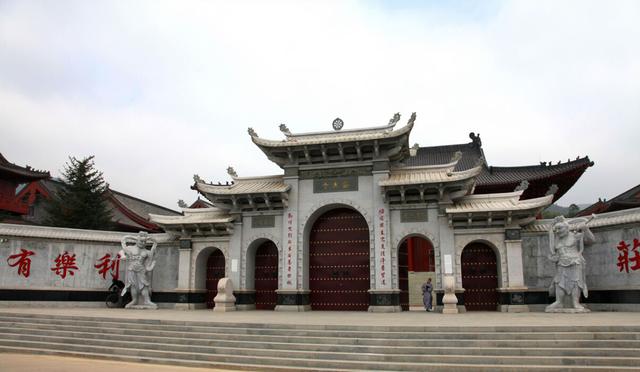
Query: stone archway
{"x": 479, "y": 269}
{"x": 339, "y": 272}
{"x": 416, "y": 263}
{"x": 215, "y": 271}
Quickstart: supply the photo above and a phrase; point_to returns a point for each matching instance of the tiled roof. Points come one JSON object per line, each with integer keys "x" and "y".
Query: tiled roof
{"x": 498, "y": 202}
{"x": 335, "y": 137}
{"x": 627, "y": 200}
{"x": 504, "y": 179}
{"x": 502, "y": 175}
{"x": 21, "y": 173}
{"x": 443, "y": 154}
{"x": 246, "y": 185}
{"x": 142, "y": 207}
{"x": 194, "y": 216}
{"x": 428, "y": 174}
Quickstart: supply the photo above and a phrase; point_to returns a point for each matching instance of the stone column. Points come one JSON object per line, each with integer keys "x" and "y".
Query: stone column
{"x": 512, "y": 296}
{"x": 451, "y": 281}
{"x": 187, "y": 296}
{"x": 383, "y": 297}
{"x": 291, "y": 293}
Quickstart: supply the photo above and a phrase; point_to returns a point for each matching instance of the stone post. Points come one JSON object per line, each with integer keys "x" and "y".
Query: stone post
{"x": 225, "y": 300}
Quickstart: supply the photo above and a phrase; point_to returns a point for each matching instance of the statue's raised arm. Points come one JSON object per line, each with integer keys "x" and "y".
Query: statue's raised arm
{"x": 151, "y": 260}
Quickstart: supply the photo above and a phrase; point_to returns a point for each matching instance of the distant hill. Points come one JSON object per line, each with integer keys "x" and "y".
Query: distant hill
{"x": 558, "y": 210}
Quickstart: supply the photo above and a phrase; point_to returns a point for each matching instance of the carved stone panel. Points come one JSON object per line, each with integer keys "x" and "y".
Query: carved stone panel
{"x": 335, "y": 184}
{"x": 263, "y": 221}
{"x": 414, "y": 215}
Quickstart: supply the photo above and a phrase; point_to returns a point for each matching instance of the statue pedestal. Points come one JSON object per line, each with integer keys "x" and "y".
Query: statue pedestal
{"x": 225, "y": 300}
{"x": 449, "y": 300}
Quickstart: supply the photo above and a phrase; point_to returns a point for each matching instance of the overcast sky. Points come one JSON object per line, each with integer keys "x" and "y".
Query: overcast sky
{"x": 161, "y": 90}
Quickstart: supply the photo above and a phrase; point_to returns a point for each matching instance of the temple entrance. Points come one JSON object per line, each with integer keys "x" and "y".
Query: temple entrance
{"x": 479, "y": 277}
{"x": 215, "y": 272}
{"x": 339, "y": 261}
{"x": 416, "y": 264}
{"x": 266, "y": 276}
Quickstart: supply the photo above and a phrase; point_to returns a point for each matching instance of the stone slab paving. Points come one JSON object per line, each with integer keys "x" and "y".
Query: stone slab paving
{"x": 46, "y": 363}
{"x": 409, "y": 318}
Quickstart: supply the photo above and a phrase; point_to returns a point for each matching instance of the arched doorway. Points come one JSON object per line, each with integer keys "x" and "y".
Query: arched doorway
{"x": 215, "y": 272}
{"x": 266, "y": 276}
{"x": 479, "y": 277}
{"x": 339, "y": 261}
{"x": 416, "y": 263}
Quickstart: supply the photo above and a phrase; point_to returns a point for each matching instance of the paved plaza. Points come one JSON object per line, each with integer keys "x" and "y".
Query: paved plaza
{"x": 405, "y": 319}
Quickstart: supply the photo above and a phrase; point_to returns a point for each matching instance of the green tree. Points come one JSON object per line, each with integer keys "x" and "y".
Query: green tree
{"x": 80, "y": 203}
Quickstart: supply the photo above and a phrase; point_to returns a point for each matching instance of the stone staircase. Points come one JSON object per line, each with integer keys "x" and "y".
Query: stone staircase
{"x": 271, "y": 347}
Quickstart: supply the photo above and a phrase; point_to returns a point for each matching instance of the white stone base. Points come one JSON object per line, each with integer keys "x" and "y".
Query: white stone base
{"x": 294, "y": 308}
{"x": 142, "y": 307}
{"x": 223, "y": 307}
{"x": 513, "y": 308}
{"x": 385, "y": 309}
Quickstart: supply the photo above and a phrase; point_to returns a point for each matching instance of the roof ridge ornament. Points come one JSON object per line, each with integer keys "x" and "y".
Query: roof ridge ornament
{"x": 395, "y": 119}
{"x": 197, "y": 179}
{"x": 456, "y": 157}
{"x": 182, "y": 204}
{"x": 552, "y": 190}
{"x": 476, "y": 139}
{"x": 413, "y": 151}
{"x": 232, "y": 172}
{"x": 252, "y": 132}
{"x": 412, "y": 119}
{"x": 284, "y": 129}
{"x": 522, "y": 186}
{"x": 479, "y": 162}
{"x": 337, "y": 124}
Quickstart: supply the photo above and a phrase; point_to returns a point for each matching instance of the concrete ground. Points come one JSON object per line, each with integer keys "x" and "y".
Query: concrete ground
{"x": 48, "y": 363}
{"x": 408, "y": 318}
{"x": 26, "y": 363}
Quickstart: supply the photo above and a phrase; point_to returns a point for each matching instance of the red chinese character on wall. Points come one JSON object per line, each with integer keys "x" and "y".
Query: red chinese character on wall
{"x": 623, "y": 255}
{"x": 636, "y": 255}
{"x": 107, "y": 264}
{"x": 23, "y": 262}
{"x": 65, "y": 263}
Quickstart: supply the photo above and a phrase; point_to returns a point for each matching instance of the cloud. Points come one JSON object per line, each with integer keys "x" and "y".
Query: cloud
{"x": 161, "y": 90}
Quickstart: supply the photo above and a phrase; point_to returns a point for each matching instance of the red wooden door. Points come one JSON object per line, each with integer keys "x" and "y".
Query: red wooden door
{"x": 215, "y": 271}
{"x": 339, "y": 261}
{"x": 479, "y": 278}
{"x": 266, "y": 276}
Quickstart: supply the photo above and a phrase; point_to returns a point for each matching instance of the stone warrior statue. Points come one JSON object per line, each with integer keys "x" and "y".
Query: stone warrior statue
{"x": 566, "y": 243}
{"x": 139, "y": 269}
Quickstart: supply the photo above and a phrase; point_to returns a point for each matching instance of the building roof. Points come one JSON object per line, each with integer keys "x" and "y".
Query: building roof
{"x": 338, "y": 136}
{"x": 245, "y": 185}
{"x": 504, "y": 179}
{"x": 18, "y": 173}
{"x": 128, "y": 213}
{"x": 194, "y": 216}
{"x": 199, "y": 203}
{"x": 498, "y": 202}
{"x": 627, "y": 200}
{"x": 135, "y": 213}
{"x": 620, "y": 217}
{"x": 429, "y": 174}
